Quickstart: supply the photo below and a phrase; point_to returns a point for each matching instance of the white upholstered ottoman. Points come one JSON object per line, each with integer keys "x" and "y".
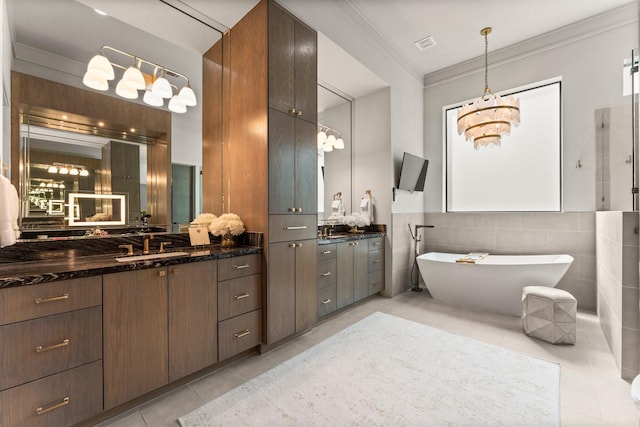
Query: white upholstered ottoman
{"x": 549, "y": 314}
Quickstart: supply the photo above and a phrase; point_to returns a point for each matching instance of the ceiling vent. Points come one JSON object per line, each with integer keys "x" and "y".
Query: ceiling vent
{"x": 425, "y": 43}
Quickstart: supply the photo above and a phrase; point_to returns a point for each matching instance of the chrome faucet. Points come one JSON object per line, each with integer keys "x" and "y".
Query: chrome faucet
{"x": 145, "y": 243}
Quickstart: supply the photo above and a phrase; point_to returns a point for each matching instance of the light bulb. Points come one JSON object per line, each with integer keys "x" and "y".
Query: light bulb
{"x": 84, "y": 172}
{"x": 63, "y": 171}
{"x": 52, "y": 169}
{"x": 322, "y": 138}
{"x": 176, "y": 105}
{"x": 125, "y": 90}
{"x": 61, "y": 186}
{"x": 327, "y": 147}
{"x": 188, "y": 96}
{"x": 94, "y": 80}
{"x": 331, "y": 140}
{"x": 101, "y": 66}
{"x": 339, "y": 144}
{"x": 152, "y": 99}
{"x": 134, "y": 78}
{"x": 74, "y": 171}
{"x": 42, "y": 184}
{"x": 162, "y": 88}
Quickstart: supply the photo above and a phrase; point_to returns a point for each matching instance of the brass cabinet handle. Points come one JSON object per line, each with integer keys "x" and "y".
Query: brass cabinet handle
{"x": 51, "y": 299}
{"x": 175, "y": 271}
{"x": 326, "y": 301}
{"x": 242, "y": 334}
{"x": 353, "y": 244}
{"x": 295, "y": 245}
{"x": 293, "y": 111}
{"x": 41, "y": 349}
{"x": 240, "y": 267}
{"x": 241, "y": 296}
{"x": 42, "y": 410}
{"x": 162, "y": 273}
{"x": 328, "y": 273}
{"x": 295, "y": 227}
{"x": 295, "y": 209}
{"x": 326, "y": 252}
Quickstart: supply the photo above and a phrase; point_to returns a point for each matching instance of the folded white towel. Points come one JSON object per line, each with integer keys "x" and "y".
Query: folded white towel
{"x": 364, "y": 204}
{"x": 9, "y": 209}
{"x": 335, "y": 205}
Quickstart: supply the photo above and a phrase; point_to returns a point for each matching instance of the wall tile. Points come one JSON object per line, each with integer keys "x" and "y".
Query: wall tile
{"x": 630, "y": 258}
{"x": 587, "y": 267}
{"x": 521, "y": 242}
{"x": 581, "y": 243}
{"x": 551, "y": 221}
{"x": 629, "y": 350}
{"x": 630, "y": 314}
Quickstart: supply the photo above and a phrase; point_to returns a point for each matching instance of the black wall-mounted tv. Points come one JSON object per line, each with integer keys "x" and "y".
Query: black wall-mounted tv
{"x": 413, "y": 173}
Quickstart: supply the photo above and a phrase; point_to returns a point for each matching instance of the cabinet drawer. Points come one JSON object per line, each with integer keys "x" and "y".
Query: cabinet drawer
{"x": 327, "y": 300}
{"x": 239, "y": 296}
{"x": 376, "y": 260}
{"x": 30, "y": 302}
{"x": 326, "y": 251}
{"x": 376, "y": 243}
{"x": 326, "y": 273}
{"x": 63, "y": 399}
{"x": 283, "y": 228}
{"x": 376, "y": 282}
{"x": 239, "y": 333}
{"x": 40, "y": 347}
{"x": 239, "y": 266}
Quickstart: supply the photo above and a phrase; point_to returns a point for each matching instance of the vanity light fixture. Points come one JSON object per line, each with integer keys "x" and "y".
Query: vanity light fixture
{"x": 489, "y": 117}
{"x": 68, "y": 169}
{"x": 155, "y": 83}
{"x": 327, "y": 139}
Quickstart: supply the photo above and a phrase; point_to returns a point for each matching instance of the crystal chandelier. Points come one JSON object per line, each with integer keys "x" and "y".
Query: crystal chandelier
{"x": 489, "y": 117}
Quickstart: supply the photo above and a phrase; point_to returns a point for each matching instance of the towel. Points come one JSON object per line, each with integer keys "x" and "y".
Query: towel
{"x": 9, "y": 208}
{"x": 337, "y": 208}
{"x": 366, "y": 210}
{"x": 472, "y": 258}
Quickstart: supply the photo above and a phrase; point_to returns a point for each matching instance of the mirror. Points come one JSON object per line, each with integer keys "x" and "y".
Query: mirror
{"x": 75, "y": 179}
{"x": 335, "y": 119}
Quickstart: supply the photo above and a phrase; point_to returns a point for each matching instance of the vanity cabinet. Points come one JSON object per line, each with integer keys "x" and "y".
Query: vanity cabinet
{"x": 292, "y": 292}
{"x": 160, "y": 325}
{"x": 51, "y": 359}
{"x": 239, "y": 304}
{"x": 136, "y": 358}
{"x": 327, "y": 279}
{"x": 352, "y": 272}
{"x": 193, "y": 307}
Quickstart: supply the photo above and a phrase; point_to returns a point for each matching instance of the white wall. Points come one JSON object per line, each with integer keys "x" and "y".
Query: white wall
{"x": 588, "y": 56}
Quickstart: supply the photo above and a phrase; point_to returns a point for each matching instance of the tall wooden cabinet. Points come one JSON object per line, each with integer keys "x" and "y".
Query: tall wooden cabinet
{"x": 352, "y": 272}
{"x": 269, "y": 80}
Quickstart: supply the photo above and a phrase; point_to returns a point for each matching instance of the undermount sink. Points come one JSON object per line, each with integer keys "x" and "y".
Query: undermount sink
{"x": 150, "y": 257}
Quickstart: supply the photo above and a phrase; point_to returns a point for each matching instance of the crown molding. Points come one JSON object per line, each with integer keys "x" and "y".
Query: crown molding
{"x": 369, "y": 28}
{"x": 572, "y": 33}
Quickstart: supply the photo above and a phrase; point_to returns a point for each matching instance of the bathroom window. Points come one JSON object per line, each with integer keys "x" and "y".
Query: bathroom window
{"x": 524, "y": 173}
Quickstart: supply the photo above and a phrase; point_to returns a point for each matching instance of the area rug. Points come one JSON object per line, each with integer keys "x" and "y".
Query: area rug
{"x": 388, "y": 371}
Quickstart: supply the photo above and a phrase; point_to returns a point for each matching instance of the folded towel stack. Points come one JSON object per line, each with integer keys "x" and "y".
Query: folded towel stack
{"x": 472, "y": 258}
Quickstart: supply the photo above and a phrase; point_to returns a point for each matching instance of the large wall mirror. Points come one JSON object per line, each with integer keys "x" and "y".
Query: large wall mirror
{"x": 335, "y": 154}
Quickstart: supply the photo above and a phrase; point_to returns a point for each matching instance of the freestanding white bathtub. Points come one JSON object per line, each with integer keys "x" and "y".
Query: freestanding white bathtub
{"x": 493, "y": 283}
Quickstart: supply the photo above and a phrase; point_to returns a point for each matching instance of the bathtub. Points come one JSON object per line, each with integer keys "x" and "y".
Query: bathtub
{"x": 493, "y": 283}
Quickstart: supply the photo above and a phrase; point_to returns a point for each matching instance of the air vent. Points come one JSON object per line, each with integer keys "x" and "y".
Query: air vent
{"x": 425, "y": 43}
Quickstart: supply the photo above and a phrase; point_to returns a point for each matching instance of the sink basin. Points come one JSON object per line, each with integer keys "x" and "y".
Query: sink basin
{"x": 150, "y": 257}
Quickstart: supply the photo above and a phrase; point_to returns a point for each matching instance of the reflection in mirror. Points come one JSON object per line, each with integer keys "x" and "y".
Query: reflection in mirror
{"x": 335, "y": 112}
{"x": 614, "y": 158}
{"x": 59, "y": 164}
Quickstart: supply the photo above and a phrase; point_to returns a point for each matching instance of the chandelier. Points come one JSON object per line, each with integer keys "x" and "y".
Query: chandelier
{"x": 489, "y": 117}
{"x": 155, "y": 84}
{"x": 329, "y": 138}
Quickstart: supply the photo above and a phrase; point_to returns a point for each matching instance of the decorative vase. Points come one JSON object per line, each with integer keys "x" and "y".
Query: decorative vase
{"x": 227, "y": 241}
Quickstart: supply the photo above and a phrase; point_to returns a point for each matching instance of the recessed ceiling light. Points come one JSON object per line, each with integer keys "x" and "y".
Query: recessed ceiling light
{"x": 99, "y": 12}
{"x": 425, "y": 43}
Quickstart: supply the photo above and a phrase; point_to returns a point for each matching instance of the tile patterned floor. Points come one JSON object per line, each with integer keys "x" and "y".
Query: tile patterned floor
{"x": 591, "y": 392}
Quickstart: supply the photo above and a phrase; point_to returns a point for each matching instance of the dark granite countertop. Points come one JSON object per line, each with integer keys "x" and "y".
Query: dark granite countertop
{"x": 70, "y": 266}
{"x": 347, "y": 237}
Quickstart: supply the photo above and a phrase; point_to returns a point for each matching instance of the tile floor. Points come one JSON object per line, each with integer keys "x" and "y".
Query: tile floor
{"x": 591, "y": 392}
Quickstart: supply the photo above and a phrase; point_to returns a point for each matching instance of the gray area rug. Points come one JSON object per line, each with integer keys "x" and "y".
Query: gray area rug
{"x": 388, "y": 371}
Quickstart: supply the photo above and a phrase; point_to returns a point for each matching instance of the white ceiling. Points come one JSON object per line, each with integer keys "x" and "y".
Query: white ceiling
{"x": 156, "y": 30}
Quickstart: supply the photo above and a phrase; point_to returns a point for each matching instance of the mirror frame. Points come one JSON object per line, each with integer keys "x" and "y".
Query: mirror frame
{"x": 30, "y": 93}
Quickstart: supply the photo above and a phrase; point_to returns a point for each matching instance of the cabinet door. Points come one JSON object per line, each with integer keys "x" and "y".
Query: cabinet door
{"x": 306, "y": 284}
{"x": 281, "y": 291}
{"x": 135, "y": 334}
{"x": 193, "y": 340}
{"x": 345, "y": 291}
{"x": 281, "y": 59}
{"x": 306, "y": 72}
{"x": 360, "y": 270}
{"x": 282, "y": 170}
{"x": 306, "y": 168}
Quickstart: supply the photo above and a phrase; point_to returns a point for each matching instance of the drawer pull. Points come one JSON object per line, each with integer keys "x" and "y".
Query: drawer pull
{"x": 41, "y": 349}
{"x": 353, "y": 244}
{"x": 375, "y": 261}
{"x": 326, "y": 252}
{"x": 175, "y": 271}
{"x": 328, "y": 273}
{"x": 162, "y": 273}
{"x": 295, "y": 209}
{"x": 242, "y": 334}
{"x": 241, "y": 296}
{"x": 240, "y": 267}
{"x": 42, "y": 410}
{"x": 51, "y": 299}
{"x": 326, "y": 301}
{"x": 295, "y": 245}
{"x": 295, "y": 227}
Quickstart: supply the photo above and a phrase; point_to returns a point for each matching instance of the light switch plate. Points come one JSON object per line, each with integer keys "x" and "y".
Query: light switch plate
{"x": 199, "y": 235}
